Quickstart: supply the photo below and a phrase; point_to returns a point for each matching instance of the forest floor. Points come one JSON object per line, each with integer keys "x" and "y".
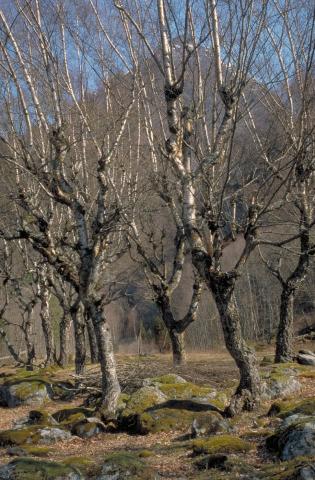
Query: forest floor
{"x": 169, "y": 454}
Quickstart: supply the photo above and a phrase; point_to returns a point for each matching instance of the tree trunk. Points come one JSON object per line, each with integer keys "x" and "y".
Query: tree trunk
{"x": 177, "y": 338}
{"x": 110, "y": 384}
{"x": 284, "y": 343}
{"x": 285, "y": 334}
{"x": 64, "y": 331}
{"x": 178, "y": 347}
{"x": 46, "y": 325}
{"x": 79, "y": 338}
{"x": 92, "y": 340}
{"x": 248, "y": 391}
{"x": 27, "y": 327}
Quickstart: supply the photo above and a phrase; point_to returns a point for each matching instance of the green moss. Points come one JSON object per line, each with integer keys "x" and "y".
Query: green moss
{"x": 141, "y": 400}
{"x": 181, "y": 391}
{"x": 36, "y": 451}
{"x": 68, "y": 413}
{"x": 165, "y": 420}
{"x": 127, "y": 464}
{"x": 310, "y": 374}
{"x": 170, "y": 378}
{"x": 72, "y": 420}
{"x": 17, "y": 437}
{"x": 145, "y": 453}
{"x": 221, "y": 444}
{"x": 291, "y": 407}
{"x": 26, "y": 389}
{"x": 280, "y": 371}
{"x": 26, "y": 376}
{"x": 122, "y": 401}
{"x": 267, "y": 360}
{"x": 286, "y": 470}
{"x": 30, "y": 469}
{"x": 220, "y": 400}
{"x": 262, "y": 433}
{"x": 168, "y": 419}
{"x": 84, "y": 464}
{"x": 41, "y": 417}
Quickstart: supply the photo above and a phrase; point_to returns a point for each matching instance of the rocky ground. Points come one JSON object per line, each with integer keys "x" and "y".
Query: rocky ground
{"x": 170, "y": 424}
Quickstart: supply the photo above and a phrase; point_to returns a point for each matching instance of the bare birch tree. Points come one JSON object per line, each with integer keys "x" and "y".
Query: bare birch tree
{"x": 293, "y": 106}
{"x": 55, "y": 137}
{"x": 210, "y": 57}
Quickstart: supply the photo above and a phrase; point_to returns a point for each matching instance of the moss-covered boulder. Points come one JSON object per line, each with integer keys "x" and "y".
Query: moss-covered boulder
{"x": 209, "y": 424}
{"x": 170, "y": 378}
{"x": 66, "y": 413}
{"x": 30, "y": 469}
{"x": 51, "y": 435}
{"x": 41, "y": 417}
{"x": 26, "y": 450}
{"x": 125, "y": 465}
{"x": 280, "y": 381}
{"x": 294, "y": 438}
{"x": 85, "y": 465}
{"x": 138, "y": 403}
{"x": 217, "y": 460}
{"x": 24, "y": 392}
{"x": 18, "y": 436}
{"x": 163, "y": 406}
{"x": 187, "y": 391}
{"x": 176, "y": 387}
{"x": 220, "y": 444}
{"x": 65, "y": 390}
{"x": 169, "y": 419}
{"x": 33, "y": 435}
{"x": 285, "y": 408}
{"x": 298, "y": 469}
{"x": 88, "y": 427}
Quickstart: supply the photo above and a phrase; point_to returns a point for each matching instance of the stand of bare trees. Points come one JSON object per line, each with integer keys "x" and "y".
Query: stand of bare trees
{"x": 199, "y": 115}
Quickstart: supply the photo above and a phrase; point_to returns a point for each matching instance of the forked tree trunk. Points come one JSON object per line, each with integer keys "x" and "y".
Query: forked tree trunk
{"x": 110, "y": 384}
{"x": 177, "y": 339}
{"x": 178, "y": 347}
{"x": 92, "y": 340}
{"x": 64, "y": 333}
{"x": 79, "y": 338}
{"x": 248, "y": 390}
{"x": 284, "y": 342}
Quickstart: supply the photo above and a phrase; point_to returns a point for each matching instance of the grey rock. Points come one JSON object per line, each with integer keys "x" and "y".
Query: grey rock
{"x": 28, "y": 392}
{"x": 171, "y": 378}
{"x": 306, "y": 473}
{"x": 41, "y": 417}
{"x": 209, "y": 424}
{"x": 50, "y": 435}
{"x": 294, "y": 438}
{"x": 88, "y": 427}
{"x": 20, "y": 422}
{"x": 280, "y": 385}
{"x": 16, "y": 452}
{"x": 125, "y": 466}
{"x": 22, "y": 468}
{"x": 306, "y": 359}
